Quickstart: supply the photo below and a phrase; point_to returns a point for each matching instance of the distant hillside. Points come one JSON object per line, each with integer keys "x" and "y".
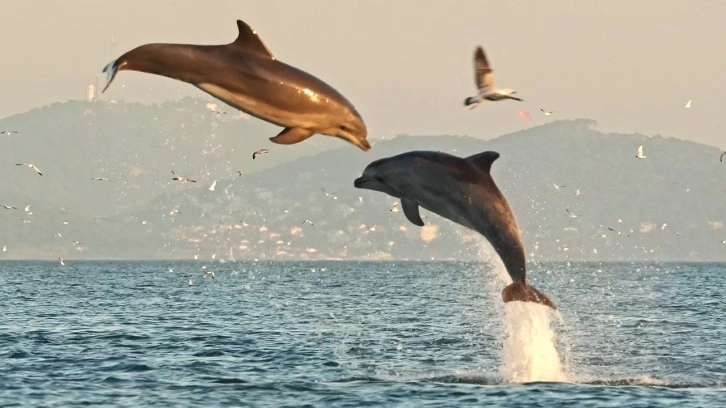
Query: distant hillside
{"x": 669, "y": 206}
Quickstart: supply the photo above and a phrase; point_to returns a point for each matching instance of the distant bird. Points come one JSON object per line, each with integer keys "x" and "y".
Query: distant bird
{"x": 5, "y": 248}
{"x": 662, "y": 227}
{"x": 259, "y": 152}
{"x": 619, "y": 233}
{"x": 100, "y": 179}
{"x": 10, "y": 207}
{"x": 577, "y": 192}
{"x": 722, "y": 155}
{"x": 213, "y": 107}
{"x": 190, "y": 282}
{"x": 572, "y": 215}
{"x": 335, "y": 197}
{"x": 688, "y": 104}
{"x": 208, "y": 274}
{"x": 557, "y": 187}
{"x": 640, "y": 154}
{"x": 214, "y": 183}
{"x": 484, "y": 80}
{"x": 32, "y": 166}
{"x": 27, "y": 209}
{"x": 76, "y": 243}
{"x": 394, "y": 208}
{"x": 547, "y": 113}
{"x": 60, "y": 261}
{"x": 307, "y": 222}
{"x": 239, "y": 172}
{"x": 182, "y": 179}
{"x": 25, "y": 221}
{"x": 8, "y": 132}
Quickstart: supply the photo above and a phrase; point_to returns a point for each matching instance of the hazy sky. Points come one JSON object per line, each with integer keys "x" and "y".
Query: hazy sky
{"x": 406, "y": 65}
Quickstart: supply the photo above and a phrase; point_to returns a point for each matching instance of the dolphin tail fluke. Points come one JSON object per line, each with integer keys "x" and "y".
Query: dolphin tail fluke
{"x": 110, "y": 70}
{"x": 522, "y": 292}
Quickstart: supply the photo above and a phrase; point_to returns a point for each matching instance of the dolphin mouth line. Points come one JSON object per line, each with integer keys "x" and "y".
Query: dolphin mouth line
{"x": 360, "y": 182}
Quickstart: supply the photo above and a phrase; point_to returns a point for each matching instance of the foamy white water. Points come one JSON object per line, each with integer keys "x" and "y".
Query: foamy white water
{"x": 529, "y": 351}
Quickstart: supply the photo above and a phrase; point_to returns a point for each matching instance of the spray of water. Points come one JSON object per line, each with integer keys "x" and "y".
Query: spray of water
{"x": 529, "y": 351}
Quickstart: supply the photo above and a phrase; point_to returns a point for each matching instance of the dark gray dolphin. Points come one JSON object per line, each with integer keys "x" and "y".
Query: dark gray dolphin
{"x": 462, "y": 190}
{"x": 246, "y": 75}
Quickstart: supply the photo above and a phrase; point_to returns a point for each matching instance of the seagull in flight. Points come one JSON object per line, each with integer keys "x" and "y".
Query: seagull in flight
{"x": 259, "y": 152}
{"x": 8, "y": 132}
{"x": 208, "y": 274}
{"x": 557, "y": 187}
{"x": 32, "y": 166}
{"x": 688, "y": 104}
{"x": 214, "y": 184}
{"x": 640, "y": 154}
{"x": 308, "y": 222}
{"x": 10, "y": 207}
{"x": 547, "y": 113}
{"x": 182, "y": 179}
{"x": 100, "y": 179}
{"x": 484, "y": 79}
{"x": 394, "y": 208}
{"x": 572, "y": 215}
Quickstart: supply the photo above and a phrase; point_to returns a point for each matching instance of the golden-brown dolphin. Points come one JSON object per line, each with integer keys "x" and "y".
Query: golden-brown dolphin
{"x": 246, "y": 75}
{"x": 463, "y": 191}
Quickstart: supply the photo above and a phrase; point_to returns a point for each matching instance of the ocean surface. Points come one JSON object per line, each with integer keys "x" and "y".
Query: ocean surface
{"x": 350, "y": 334}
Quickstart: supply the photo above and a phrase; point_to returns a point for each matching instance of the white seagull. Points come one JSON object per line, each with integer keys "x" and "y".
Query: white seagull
{"x": 214, "y": 183}
{"x": 182, "y": 179}
{"x": 484, "y": 80}
{"x": 8, "y": 132}
{"x": 640, "y": 154}
{"x": 10, "y": 207}
{"x": 208, "y": 274}
{"x": 100, "y": 179}
{"x": 547, "y": 113}
{"x": 60, "y": 261}
{"x": 259, "y": 152}
{"x": 688, "y": 104}
{"x": 32, "y": 166}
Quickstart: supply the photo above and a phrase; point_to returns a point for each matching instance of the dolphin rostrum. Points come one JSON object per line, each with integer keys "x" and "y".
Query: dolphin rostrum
{"x": 245, "y": 75}
{"x": 463, "y": 191}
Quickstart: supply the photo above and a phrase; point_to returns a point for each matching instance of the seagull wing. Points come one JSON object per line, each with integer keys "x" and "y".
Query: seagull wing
{"x": 722, "y": 155}
{"x": 483, "y": 74}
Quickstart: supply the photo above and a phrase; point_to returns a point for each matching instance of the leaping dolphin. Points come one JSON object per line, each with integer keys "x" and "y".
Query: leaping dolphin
{"x": 463, "y": 191}
{"x": 246, "y": 75}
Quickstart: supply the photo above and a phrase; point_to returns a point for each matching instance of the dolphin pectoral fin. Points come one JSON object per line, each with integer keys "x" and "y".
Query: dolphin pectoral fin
{"x": 410, "y": 209}
{"x": 111, "y": 69}
{"x": 249, "y": 41}
{"x": 292, "y": 135}
{"x": 522, "y": 292}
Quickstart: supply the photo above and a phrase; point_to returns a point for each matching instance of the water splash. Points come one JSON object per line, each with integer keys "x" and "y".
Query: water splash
{"x": 529, "y": 342}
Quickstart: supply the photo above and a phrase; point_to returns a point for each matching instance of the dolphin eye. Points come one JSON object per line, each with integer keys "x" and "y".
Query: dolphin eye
{"x": 345, "y": 128}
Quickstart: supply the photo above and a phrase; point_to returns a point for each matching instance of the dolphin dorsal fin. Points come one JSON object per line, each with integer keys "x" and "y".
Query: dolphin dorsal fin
{"x": 484, "y": 160}
{"x": 249, "y": 41}
{"x": 410, "y": 209}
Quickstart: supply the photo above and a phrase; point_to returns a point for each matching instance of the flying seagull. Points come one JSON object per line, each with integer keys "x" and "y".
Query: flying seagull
{"x": 182, "y": 179}
{"x": 259, "y": 152}
{"x": 556, "y": 186}
{"x": 214, "y": 184}
{"x": 484, "y": 80}
{"x": 100, "y": 179}
{"x": 547, "y": 113}
{"x": 10, "y": 207}
{"x": 32, "y": 166}
{"x": 308, "y": 222}
{"x": 394, "y": 208}
{"x": 572, "y": 215}
{"x": 640, "y": 154}
{"x": 688, "y": 104}
{"x": 8, "y": 132}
